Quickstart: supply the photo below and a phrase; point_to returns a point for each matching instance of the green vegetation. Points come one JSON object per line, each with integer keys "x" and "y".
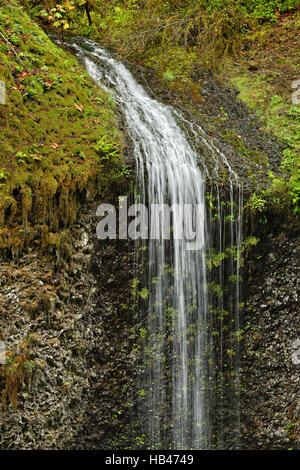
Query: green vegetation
{"x": 143, "y": 293}
{"x": 268, "y": 90}
{"x": 59, "y": 139}
{"x": 53, "y": 130}
{"x": 255, "y": 41}
{"x": 210, "y": 24}
{"x": 17, "y": 373}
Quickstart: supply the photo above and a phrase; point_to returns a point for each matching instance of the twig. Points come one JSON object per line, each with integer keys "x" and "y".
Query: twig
{"x": 12, "y": 48}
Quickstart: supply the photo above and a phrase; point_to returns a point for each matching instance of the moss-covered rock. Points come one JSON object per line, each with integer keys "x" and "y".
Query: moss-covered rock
{"x": 53, "y": 118}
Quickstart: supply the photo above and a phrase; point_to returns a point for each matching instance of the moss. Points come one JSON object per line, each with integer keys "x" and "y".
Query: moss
{"x": 268, "y": 91}
{"x": 279, "y": 116}
{"x": 53, "y": 117}
{"x": 26, "y": 194}
{"x": 17, "y": 373}
{"x": 282, "y": 119}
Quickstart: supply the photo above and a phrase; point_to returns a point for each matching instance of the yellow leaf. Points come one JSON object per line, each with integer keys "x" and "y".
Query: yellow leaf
{"x": 80, "y": 108}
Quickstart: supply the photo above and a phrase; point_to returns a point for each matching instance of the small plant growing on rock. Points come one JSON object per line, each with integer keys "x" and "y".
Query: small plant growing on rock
{"x": 3, "y": 176}
{"x": 17, "y": 371}
{"x": 107, "y": 150}
{"x": 256, "y": 204}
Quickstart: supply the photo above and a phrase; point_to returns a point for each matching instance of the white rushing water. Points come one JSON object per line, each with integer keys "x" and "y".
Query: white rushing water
{"x": 178, "y": 351}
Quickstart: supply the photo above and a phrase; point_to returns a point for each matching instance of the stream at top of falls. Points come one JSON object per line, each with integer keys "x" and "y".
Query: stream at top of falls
{"x": 191, "y": 386}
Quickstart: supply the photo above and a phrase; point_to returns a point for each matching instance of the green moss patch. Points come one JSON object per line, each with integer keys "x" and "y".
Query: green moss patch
{"x": 49, "y": 129}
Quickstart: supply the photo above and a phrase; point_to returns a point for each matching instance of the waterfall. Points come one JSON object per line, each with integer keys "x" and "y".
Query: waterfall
{"x": 182, "y": 387}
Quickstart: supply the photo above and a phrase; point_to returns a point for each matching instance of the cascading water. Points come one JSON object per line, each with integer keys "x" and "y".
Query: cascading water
{"x": 181, "y": 383}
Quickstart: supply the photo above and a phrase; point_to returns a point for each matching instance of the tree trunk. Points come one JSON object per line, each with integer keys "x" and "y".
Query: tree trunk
{"x": 88, "y": 12}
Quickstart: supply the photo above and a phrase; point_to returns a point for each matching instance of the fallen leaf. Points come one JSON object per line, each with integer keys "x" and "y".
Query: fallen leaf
{"x": 80, "y": 108}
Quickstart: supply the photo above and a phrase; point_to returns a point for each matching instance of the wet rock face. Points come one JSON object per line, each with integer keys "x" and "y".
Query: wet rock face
{"x": 217, "y": 98}
{"x": 72, "y": 319}
{"x": 46, "y": 310}
{"x": 271, "y": 368}
{"x": 75, "y": 320}
{"x": 112, "y": 414}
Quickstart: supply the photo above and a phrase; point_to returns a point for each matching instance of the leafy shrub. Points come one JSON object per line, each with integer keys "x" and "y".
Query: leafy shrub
{"x": 107, "y": 150}
{"x": 256, "y": 203}
{"x": 269, "y": 9}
